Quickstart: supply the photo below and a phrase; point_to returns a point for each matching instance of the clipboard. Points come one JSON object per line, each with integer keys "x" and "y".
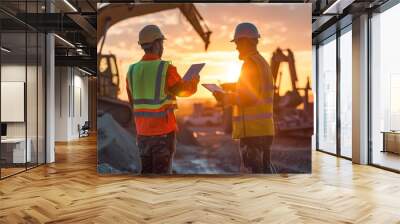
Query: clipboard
{"x": 213, "y": 88}
{"x": 193, "y": 70}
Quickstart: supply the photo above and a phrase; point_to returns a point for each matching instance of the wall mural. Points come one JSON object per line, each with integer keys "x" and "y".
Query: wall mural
{"x": 204, "y": 88}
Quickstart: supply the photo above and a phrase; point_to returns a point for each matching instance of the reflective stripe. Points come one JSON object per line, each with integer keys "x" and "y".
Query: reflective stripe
{"x": 153, "y": 114}
{"x": 151, "y": 101}
{"x": 252, "y": 117}
{"x": 157, "y": 91}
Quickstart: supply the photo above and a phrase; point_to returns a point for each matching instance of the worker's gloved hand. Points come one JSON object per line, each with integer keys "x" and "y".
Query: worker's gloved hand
{"x": 219, "y": 96}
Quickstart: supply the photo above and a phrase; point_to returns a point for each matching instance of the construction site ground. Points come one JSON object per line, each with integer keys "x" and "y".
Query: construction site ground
{"x": 217, "y": 153}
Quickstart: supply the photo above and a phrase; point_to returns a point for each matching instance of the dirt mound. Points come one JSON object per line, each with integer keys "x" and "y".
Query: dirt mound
{"x": 116, "y": 147}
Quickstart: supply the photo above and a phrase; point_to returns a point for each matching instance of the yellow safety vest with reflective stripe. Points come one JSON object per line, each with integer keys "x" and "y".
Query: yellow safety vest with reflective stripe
{"x": 147, "y": 80}
{"x": 255, "y": 120}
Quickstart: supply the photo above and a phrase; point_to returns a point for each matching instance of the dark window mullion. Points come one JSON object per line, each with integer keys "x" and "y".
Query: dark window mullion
{"x": 316, "y": 97}
{"x": 37, "y": 91}
{"x": 369, "y": 96}
{"x": 338, "y": 74}
{"x": 73, "y": 92}
{"x": 0, "y": 99}
{"x": 46, "y": 3}
{"x": 25, "y": 89}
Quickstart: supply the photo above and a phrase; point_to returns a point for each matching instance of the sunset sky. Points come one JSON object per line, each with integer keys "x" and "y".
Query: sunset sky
{"x": 280, "y": 25}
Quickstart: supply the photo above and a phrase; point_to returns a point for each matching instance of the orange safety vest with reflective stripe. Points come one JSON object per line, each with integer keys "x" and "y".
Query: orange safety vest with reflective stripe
{"x": 256, "y": 119}
{"x": 147, "y": 81}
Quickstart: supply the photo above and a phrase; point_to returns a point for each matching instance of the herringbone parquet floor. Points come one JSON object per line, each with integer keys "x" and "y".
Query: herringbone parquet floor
{"x": 70, "y": 191}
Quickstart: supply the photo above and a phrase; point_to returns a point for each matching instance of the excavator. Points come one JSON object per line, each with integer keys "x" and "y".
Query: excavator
{"x": 293, "y": 113}
{"x": 117, "y": 151}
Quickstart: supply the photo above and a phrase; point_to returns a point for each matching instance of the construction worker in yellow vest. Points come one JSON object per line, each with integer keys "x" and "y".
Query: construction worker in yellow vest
{"x": 152, "y": 86}
{"x": 252, "y": 117}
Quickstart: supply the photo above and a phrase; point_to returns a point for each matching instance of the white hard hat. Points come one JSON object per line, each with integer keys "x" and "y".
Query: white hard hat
{"x": 149, "y": 34}
{"x": 247, "y": 30}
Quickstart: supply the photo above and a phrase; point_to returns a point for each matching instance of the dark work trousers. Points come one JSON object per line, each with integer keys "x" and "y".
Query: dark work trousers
{"x": 156, "y": 153}
{"x": 256, "y": 153}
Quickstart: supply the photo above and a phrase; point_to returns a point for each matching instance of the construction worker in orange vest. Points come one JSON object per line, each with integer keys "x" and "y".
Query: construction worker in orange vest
{"x": 252, "y": 116}
{"x": 152, "y": 86}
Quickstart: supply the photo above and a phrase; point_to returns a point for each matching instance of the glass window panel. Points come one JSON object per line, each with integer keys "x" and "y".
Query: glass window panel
{"x": 385, "y": 80}
{"x": 22, "y": 61}
{"x": 13, "y": 79}
{"x": 346, "y": 94}
{"x": 41, "y": 98}
{"x": 32, "y": 97}
{"x": 327, "y": 96}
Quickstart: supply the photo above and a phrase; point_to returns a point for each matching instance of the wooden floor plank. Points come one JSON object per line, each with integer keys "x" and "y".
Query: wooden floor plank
{"x": 70, "y": 191}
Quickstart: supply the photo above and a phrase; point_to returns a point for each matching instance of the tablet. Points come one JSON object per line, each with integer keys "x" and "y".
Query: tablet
{"x": 213, "y": 88}
{"x": 193, "y": 70}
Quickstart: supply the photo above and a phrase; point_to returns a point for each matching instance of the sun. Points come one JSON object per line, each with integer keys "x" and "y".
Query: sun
{"x": 233, "y": 71}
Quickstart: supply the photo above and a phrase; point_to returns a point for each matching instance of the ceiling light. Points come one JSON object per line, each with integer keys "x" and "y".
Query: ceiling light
{"x": 338, "y": 6}
{"x": 84, "y": 71}
{"x": 70, "y": 5}
{"x": 5, "y": 50}
{"x": 65, "y": 41}
{"x": 79, "y": 51}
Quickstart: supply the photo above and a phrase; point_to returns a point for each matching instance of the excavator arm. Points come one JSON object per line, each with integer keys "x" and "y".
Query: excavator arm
{"x": 291, "y": 98}
{"x": 114, "y": 13}
{"x": 277, "y": 57}
{"x": 198, "y": 23}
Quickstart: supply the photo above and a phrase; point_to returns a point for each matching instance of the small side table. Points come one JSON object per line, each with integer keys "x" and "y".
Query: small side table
{"x": 391, "y": 141}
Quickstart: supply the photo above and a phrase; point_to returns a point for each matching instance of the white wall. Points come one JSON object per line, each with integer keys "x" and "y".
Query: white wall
{"x": 71, "y": 94}
{"x": 80, "y": 109}
{"x": 61, "y": 103}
